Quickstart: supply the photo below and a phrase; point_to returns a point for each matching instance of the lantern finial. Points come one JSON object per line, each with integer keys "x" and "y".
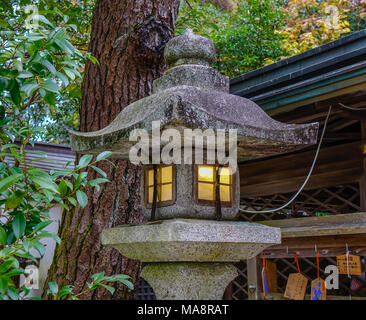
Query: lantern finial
{"x": 189, "y": 49}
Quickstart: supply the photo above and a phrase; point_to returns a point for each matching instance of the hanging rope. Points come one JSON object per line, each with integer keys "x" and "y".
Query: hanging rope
{"x": 217, "y": 194}
{"x": 347, "y": 254}
{"x": 264, "y": 278}
{"x": 351, "y": 108}
{"x": 297, "y": 262}
{"x": 307, "y": 177}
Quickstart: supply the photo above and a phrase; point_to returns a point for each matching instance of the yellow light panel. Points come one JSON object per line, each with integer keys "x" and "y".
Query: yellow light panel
{"x": 205, "y": 191}
{"x": 225, "y": 193}
{"x": 150, "y": 178}
{"x": 225, "y": 175}
{"x": 150, "y": 194}
{"x": 166, "y": 174}
{"x": 166, "y": 193}
{"x": 206, "y": 173}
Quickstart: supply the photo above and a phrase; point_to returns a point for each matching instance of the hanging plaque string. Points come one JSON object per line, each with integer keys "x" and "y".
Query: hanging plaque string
{"x": 297, "y": 262}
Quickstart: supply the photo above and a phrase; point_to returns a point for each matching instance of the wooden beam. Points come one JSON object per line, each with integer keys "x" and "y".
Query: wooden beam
{"x": 254, "y": 281}
{"x": 341, "y": 124}
{"x": 358, "y": 218}
{"x": 335, "y": 165}
{"x": 340, "y": 224}
{"x": 327, "y": 246}
{"x": 344, "y": 88}
{"x": 335, "y": 136}
{"x": 279, "y": 296}
{"x": 362, "y": 182}
{"x": 329, "y": 234}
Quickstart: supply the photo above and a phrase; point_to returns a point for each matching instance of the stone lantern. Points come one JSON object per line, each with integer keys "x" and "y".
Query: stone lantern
{"x": 191, "y": 239}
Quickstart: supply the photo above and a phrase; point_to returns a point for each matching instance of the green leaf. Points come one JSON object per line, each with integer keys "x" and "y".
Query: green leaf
{"x": 3, "y": 285}
{"x": 9, "y": 181}
{"x": 50, "y": 85}
{"x": 43, "y": 19}
{"x": 15, "y": 93}
{"x": 42, "y": 225}
{"x": 14, "y": 200}
{"x": 82, "y": 198}
{"x": 14, "y": 272}
{"x": 25, "y": 75}
{"x": 65, "y": 291}
{"x": 100, "y": 171}
{"x": 97, "y": 277}
{"x": 5, "y": 266}
{"x": 63, "y": 78}
{"x": 13, "y": 293}
{"x": 29, "y": 88}
{"x": 104, "y": 155}
{"x": 49, "y": 66}
{"x": 119, "y": 277}
{"x": 18, "y": 225}
{"x": 26, "y": 245}
{"x": 72, "y": 201}
{"x": 35, "y": 298}
{"x": 52, "y": 287}
{"x": 39, "y": 247}
{"x": 3, "y": 83}
{"x": 69, "y": 73}
{"x": 62, "y": 187}
{"x": 49, "y": 195}
{"x": 84, "y": 160}
{"x": 45, "y": 183}
{"x": 3, "y": 236}
{"x": 97, "y": 181}
{"x": 109, "y": 288}
{"x": 26, "y": 256}
{"x": 127, "y": 283}
{"x": 46, "y": 234}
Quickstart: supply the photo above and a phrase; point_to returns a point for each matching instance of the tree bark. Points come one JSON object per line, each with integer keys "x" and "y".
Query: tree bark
{"x": 127, "y": 38}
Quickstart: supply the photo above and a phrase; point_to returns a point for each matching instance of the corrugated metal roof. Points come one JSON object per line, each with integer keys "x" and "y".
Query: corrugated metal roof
{"x": 58, "y": 156}
{"x": 326, "y": 58}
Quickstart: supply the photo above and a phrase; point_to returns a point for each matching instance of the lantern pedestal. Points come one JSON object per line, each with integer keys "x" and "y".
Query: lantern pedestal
{"x": 189, "y": 280}
{"x": 190, "y": 258}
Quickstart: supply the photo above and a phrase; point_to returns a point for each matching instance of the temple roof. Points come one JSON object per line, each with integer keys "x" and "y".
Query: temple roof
{"x": 193, "y": 95}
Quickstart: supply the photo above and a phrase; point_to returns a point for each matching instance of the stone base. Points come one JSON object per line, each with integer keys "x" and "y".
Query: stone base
{"x": 191, "y": 240}
{"x": 189, "y": 280}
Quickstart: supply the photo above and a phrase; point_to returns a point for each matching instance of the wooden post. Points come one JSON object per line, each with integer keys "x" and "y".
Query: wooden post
{"x": 363, "y": 178}
{"x": 254, "y": 281}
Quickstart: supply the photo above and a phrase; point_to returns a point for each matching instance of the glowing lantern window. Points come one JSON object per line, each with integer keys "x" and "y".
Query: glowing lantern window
{"x": 205, "y": 185}
{"x": 166, "y": 185}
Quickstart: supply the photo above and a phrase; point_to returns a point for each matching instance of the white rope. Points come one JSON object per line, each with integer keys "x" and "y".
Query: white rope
{"x": 351, "y": 108}
{"x": 306, "y": 180}
{"x": 347, "y": 253}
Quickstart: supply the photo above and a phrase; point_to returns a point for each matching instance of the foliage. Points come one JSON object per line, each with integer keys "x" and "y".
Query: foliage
{"x": 99, "y": 280}
{"x": 257, "y": 32}
{"x": 311, "y": 23}
{"x": 247, "y": 35}
{"x": 39, "y": 53}
{"x": 357, "y": 14}
{"x": 37, "y": 69}
{"x": 244, "y": 38}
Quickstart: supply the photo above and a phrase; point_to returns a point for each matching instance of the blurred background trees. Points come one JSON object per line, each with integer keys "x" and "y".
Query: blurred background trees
{"x": 247, "y": 36}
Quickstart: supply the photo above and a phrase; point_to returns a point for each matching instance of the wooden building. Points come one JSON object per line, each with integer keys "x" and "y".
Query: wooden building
{"x": 330, "y": 213}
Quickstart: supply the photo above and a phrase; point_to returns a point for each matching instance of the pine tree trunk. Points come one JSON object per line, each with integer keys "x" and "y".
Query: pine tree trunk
{"x": 128, "y": 39}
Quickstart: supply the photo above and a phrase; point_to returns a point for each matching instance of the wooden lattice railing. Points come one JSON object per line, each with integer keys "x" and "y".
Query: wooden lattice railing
{"x": 333, "y": 200}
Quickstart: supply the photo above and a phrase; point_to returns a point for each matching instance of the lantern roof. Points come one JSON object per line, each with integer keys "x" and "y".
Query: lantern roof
{"x": 192, "y": 95}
